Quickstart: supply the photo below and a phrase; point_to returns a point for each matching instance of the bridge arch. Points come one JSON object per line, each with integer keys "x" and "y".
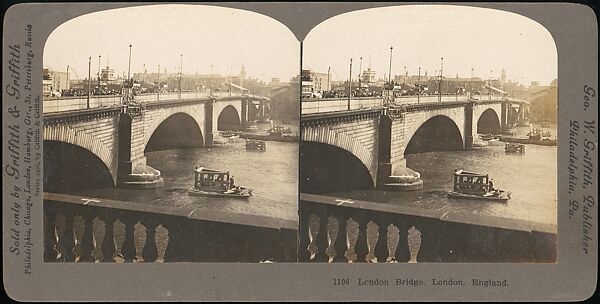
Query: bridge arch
{"x": 488, "y": 122}
{"x": 54, "y": 135}
{"x": 487, "y": 117}
{"x": 346, "y": 142}
{"x": 175, "y": 129}
{"x": 437, "y": 133}
{"x": 229, "y": 118}
{"x": 233, "y": 108}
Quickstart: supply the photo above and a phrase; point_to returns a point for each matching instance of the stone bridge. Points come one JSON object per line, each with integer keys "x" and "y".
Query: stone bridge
{"x": 374, "y": 140}
{"x": 115, "y": 138}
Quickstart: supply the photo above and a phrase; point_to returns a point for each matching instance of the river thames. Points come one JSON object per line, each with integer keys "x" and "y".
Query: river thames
{"x": 272, "y": 174}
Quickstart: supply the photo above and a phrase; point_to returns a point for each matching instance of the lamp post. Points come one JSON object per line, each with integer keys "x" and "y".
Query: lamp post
{"x": 360, "y": 74}
{"x": 350, "y": 85}
{"x": 129, "y": 67}
{"x": 328, "y": 77}
{"x": 99, "y": 70}
{"x": 440, "y": 82}
{"x": 390, "y": 70}
{"x": 89, "y": 81}
{"x": 471, "y": 81}
{"x": 180, "y": 73}
{"x": 159, "y": 87}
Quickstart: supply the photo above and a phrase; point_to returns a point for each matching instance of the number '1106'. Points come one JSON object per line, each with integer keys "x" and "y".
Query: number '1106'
{"x": 341, "y": 282}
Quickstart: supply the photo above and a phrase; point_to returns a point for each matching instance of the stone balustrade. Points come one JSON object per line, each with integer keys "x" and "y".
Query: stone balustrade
{"x": 98, "y": 230}
{"x": 347, "y": 230}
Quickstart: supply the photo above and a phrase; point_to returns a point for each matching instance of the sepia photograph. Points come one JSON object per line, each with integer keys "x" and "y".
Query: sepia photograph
{"x": 171, "y": 134}
{"x": 428, "y": 134}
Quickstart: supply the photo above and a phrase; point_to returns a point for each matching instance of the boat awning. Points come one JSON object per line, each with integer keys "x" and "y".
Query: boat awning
{"x": 236, "y": 86}
{"x": 496, "y": 90}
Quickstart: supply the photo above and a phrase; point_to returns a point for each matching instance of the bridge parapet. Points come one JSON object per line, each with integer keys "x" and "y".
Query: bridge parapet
{"x": 80, "y": 103}
{"x": 171, "y": 234}
{"x": 445, "y": 236}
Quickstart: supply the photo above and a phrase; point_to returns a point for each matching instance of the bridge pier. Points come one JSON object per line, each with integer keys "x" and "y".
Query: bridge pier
{"x": 392, "y": 172}
{"x": 133, "y": 173}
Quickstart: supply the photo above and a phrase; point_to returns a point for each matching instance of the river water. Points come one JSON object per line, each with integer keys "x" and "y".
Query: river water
{"x": 272, "y": 174}
{"x": 531, "y": 177}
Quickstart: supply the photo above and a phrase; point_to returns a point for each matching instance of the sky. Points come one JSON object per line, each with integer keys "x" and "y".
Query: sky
{"x": 205, "y": 35}
{"x": 466, "y": 37}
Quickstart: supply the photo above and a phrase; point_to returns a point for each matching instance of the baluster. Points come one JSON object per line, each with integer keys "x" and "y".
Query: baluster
{"x": 87, "y": 240}
{"x": 108, "y": 244}
{"x": 128, "y": 249}
{"x": 150, "y": 252}
{"x": 67, "y": 241}
{"x": 304, "y": 240}
{"x": 332, "y": 232}
{"x": 361, "y": 248}
{"x": 140, "y": 233}
{"x": 321, "y": 241}
{"x": 50, "y": 242}
{"x": 402, "y": 253}
{"x": 341, "y": 241}
{"x": 162, "y": 238}
{"x": 119, "y": 236}
{"x": 381, "y": 247}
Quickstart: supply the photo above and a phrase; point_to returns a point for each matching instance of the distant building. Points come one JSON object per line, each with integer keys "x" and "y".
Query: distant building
{"x": 368, "y": 77}
{"x": 320, "y": 81}
{"x": 242, "y": 75}
{"x": 543, "y": 104}
{"x": 107, "y": 74}
{"x": 53, "y": 81}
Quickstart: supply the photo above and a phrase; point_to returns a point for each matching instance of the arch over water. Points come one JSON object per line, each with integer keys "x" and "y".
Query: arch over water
{"x": 84, "y": 169}
{"x": 179, "y": 130}
{"x": 439, "y": 133}
{"x": 326, "y": 168}
{"x": 488, "y": 122}
{"x": 229, "y": 119}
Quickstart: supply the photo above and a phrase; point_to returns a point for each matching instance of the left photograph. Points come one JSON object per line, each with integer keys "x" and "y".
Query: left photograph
{"x": 171, "y": 134}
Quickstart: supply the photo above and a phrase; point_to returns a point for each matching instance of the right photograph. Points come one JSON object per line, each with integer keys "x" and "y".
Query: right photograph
{"x": 428, "y": 134}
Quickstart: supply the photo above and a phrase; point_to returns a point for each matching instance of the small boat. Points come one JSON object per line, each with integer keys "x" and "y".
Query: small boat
{"x": 486, "y": 136}
{"x": 514, "y": 148}
{"x": 230, "y": 133}
{"x": 469, "y": 185}
{"x": 501, "y": 196}
{"x": 215, "y": 183}
{"x": 279, "y": 130}
{"x": 539, "y": 134}
{"x": 256, "y": 144}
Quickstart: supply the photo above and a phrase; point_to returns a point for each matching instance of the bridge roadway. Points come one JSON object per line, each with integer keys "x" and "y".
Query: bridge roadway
{"x": 119, "y": 134}
{"x": 378, "y": 135}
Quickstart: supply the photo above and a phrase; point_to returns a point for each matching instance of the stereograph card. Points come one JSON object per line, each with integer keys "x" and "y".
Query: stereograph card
{"x": 300, "y": 151}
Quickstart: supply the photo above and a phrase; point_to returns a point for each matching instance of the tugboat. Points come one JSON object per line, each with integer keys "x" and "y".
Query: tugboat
{"x": 215, "y": 183}
{"x": 275, "y": 133}
{"x": 230, "y": 133}
{"x": 538, "y": 134}
{"x": 469, "y": 185}
{"x": 514, "y": 148}
{"x": 256, "y": 144}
